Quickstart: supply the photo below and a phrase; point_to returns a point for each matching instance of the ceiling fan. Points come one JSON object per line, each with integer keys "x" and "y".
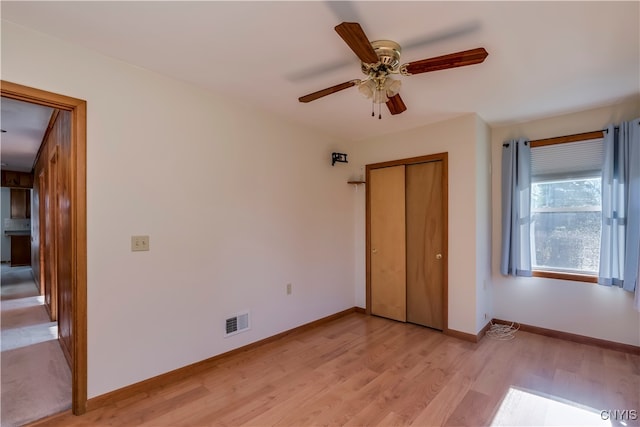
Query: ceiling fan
{"x": 380, "y": 59}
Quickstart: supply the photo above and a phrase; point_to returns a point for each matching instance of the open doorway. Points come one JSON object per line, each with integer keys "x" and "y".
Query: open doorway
{"x": 36, "y": 378}
{"x": 67, "y": 155}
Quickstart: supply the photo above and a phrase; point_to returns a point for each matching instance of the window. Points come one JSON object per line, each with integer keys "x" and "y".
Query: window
{"x": 566, "y": 207}
{"x": 566, "y": 223}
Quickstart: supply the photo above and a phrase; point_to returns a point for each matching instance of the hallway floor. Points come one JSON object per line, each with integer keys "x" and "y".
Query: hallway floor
{"x": 36, "y": 379}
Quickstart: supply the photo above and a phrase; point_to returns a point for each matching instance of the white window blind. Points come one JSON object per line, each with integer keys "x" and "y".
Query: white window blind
{"x": 570, "y": 160}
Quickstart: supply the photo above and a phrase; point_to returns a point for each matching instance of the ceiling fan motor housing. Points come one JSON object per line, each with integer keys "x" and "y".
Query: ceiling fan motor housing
{"x": 388, "y": 56}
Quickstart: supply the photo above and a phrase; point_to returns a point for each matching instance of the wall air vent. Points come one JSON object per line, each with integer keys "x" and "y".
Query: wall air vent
{"x": 237, "y": 323}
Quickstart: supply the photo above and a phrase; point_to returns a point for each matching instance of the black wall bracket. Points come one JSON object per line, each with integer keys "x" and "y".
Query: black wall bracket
{"x": 338, "y": 157}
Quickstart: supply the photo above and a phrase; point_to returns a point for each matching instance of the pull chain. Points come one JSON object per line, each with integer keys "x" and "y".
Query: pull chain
{"x": 373, "y": 110}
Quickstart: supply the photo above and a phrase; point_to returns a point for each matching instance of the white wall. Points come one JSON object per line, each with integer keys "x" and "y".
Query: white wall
{"x": 5, "y": 204}
{"x": 237, "y": 203}
{"x": 458, "y": 138}
{"x": 484, "y": 297}
{"x": 360, "y": 235}
{"x": 574, "y": 307}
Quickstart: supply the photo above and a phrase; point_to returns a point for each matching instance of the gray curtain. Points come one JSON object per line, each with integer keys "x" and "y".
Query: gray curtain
{"x": 515, "y": 257}
{"x": 620, "y": 241}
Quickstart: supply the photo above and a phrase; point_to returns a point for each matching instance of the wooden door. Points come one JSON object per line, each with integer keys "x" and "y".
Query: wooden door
{"x": 50, "y": 241}
{"x": 388, "y": 245}
{"x": 63, "y": 268}
{"x": 425, "y": 260}
{"x": 20, "y": 200}
{"x": 41, "y": 222}
{"x": 20, "y": 251}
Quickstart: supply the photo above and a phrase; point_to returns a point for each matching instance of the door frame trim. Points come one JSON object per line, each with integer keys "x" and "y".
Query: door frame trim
{"x": 443, "y": 157}
{"x": 78, "y": 220}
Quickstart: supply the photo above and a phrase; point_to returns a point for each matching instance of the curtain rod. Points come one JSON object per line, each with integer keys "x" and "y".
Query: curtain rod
{"x": 567, "y": 138}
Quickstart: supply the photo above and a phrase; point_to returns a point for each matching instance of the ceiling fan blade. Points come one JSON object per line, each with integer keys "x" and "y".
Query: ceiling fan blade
{"x": 453, "y": 60}
{"x": 328, "y": 91}
{"x": 354, "y": 36}
{"x": 396, "y": 105}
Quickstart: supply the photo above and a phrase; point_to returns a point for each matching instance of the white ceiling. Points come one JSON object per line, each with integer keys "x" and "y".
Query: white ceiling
{"x": 545, "y": 58}
{"x": 25, "y": 125}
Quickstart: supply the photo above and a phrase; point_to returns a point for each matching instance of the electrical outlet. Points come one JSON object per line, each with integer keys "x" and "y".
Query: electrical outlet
{"x": 139, "y": 243}
{"x": 288, "y": 288}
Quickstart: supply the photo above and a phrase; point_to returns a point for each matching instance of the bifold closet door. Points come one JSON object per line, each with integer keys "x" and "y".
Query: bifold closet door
{"x": 424, "y": 225}
{"x": 388, "y": 244}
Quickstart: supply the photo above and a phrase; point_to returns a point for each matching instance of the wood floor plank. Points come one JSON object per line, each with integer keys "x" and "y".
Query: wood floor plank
{"x": 473, "y": 410}
{"x": 444, "y": 403}
{"x": 363, "y": 370}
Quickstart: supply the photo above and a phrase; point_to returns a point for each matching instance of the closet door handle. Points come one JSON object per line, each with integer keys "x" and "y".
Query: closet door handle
{"x": 438, "y": 256}
{"x": 374, "y": 251}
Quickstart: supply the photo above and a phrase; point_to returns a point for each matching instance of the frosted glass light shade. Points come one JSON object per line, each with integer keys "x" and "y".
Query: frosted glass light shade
{"x": 380, "y": 91}
{"x": 380, "y": 96}
{"x": 392, "y": 86}
{"x": 367, "y": 88}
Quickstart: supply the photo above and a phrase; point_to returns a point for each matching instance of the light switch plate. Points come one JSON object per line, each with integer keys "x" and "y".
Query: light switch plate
{"x": 139, "y": 243}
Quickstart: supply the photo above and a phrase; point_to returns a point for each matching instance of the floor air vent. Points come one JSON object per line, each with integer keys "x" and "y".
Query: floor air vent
{"x": 236, "y": 324}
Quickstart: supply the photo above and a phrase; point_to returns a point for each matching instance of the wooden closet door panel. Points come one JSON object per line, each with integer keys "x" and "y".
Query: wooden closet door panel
{"x": 20, "y": 201}
{"x": 50, "y": 275}
{"x": 425, "y": 262}
{"x": 62, "y": 130}
{"x": 388, "y": 244}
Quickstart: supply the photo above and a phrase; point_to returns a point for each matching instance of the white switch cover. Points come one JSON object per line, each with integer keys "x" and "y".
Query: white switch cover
{"x": 139, "y": 243}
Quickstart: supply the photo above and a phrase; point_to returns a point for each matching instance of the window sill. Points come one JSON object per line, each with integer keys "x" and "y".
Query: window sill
{"x": 565, "y": 276}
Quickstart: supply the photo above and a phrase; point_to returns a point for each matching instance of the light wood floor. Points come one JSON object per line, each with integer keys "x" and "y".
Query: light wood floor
{"x": 365, "y": 371}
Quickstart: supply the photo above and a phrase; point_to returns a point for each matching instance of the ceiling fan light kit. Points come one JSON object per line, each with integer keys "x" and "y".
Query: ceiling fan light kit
{"x": 380, "y": 59}
{"x": 379, "y": 90}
